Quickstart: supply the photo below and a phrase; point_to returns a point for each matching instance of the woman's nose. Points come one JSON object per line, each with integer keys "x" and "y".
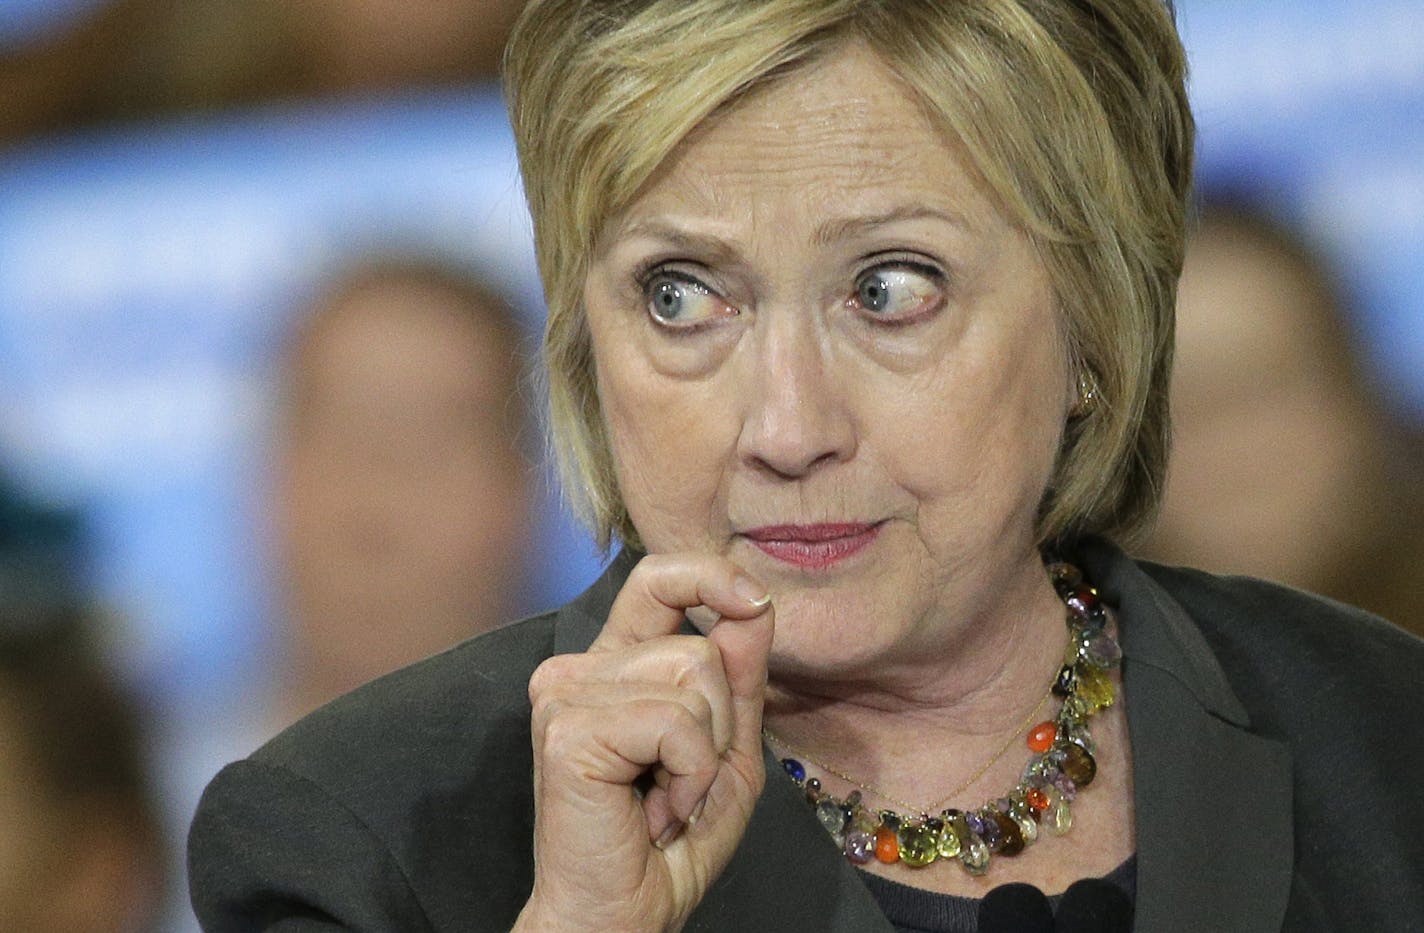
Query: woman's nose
{"x": 797, "y": 418}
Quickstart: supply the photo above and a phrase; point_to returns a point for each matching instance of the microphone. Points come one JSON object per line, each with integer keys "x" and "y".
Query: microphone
{"x": 1093, "y": 905}
{"x": 1015, "y": 908}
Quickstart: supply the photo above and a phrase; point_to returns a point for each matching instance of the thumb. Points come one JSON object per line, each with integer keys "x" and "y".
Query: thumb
{"x": 745, "y": 646}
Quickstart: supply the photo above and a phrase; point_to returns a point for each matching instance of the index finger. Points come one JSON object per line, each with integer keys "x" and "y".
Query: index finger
{"x": 662, "y": 587}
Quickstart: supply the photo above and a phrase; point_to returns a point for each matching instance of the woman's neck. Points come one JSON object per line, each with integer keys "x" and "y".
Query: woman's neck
{"x": 920, "y": 726}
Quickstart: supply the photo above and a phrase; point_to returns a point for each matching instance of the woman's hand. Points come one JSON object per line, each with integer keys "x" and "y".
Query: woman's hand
{"x": 647, "y": 751}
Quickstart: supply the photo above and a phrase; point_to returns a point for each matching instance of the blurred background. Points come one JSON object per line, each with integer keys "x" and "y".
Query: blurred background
{"x": 268, "y": 426}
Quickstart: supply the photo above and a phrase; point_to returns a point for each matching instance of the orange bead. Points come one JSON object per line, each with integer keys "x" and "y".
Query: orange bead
{"x": 1041, "y": 736}
{"x": 1037, "y": 799}
{"x": 887, "y": 845}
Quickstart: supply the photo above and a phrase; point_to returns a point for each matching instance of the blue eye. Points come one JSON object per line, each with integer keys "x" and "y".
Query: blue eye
{"x": 897, "y": 292}
{"x": 873, "y": 292}
{"x": 677, "y": 300}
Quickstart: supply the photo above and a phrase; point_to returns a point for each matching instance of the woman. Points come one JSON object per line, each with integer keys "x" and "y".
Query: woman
{"x": 860, "y": 320}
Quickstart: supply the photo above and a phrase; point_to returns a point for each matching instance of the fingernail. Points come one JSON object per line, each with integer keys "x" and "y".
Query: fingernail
{"x": 668, "y": 835}
{"x": 752, "y": 591}
{"x": 697, "y": 812}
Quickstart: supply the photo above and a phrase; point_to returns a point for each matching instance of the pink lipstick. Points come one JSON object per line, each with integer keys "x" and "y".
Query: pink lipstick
{"x": 813, "y": 547}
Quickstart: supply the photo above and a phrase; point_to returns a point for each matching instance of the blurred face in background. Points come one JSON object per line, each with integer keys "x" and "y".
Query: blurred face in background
{"x": 67, "y": 864}
{"x": 1272, "y": 445}
{"x": 390, "y": 43}
{"x": 405, "y": 496}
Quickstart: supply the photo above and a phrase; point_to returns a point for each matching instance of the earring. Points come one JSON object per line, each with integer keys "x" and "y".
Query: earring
{"x": 1087, "y": 395}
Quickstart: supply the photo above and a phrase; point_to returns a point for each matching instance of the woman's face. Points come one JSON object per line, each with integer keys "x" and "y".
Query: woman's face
{"x": 823, "y": 353}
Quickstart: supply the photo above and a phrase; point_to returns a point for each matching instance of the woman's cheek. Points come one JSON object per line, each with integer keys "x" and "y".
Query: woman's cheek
{"x": 673, "y": 443}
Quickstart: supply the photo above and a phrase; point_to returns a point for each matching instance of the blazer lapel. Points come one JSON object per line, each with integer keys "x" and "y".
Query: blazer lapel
{"x": 1213, "y": 800}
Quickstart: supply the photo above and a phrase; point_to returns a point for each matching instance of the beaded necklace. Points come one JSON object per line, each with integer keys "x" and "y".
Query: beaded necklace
{"x": 1062, "y": 761}
{"x": 969, "y": 782}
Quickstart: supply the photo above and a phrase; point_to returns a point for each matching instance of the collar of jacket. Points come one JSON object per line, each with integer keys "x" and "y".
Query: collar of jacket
{"x": 1212, "y": 799}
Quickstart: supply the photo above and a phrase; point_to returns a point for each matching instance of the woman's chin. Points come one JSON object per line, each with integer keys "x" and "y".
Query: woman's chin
{"x": 822, "y": 636}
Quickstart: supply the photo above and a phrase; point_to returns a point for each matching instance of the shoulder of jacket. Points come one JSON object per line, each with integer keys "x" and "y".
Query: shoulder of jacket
{"x": 1256, "y": 625}
{"x": 466, "y": 697}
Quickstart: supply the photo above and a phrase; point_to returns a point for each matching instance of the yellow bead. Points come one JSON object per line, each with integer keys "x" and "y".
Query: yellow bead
{"x": 918, "y": 846}
{"x": 1062, "y": 817}
{"x": 1027, "y": 827}
{"x": 1095, "y": 689}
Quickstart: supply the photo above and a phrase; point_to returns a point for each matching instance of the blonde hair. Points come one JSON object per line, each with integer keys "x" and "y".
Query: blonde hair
{"x": 1074, "y": 113}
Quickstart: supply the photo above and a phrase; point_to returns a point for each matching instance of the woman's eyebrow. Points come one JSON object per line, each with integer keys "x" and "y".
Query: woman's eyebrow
{"x": 841, "y": 228}
{"x": 680, "y": 237}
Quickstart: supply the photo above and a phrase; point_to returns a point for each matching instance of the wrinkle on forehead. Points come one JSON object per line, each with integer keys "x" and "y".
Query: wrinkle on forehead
{"x": 792, "y": 136}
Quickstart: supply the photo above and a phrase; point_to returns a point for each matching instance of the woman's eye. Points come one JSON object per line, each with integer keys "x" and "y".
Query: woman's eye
{"x": 897, "y": 292}
{"x": 681, "y": 301}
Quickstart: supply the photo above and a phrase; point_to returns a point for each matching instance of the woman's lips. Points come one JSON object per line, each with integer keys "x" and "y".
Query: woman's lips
{"x": 813, "y": 546}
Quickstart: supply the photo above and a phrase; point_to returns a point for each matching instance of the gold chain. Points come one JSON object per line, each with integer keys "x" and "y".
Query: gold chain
{"x": 870, "y": 788}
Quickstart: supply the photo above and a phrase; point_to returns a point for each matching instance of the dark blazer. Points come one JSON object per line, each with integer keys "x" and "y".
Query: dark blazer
{"x": 1277, "y": 752}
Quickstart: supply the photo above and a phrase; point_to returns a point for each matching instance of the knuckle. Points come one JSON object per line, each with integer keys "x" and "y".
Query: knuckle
{"x": 654, "y": 563}
{"x": 551, "y": 673}
{"x": 699, "y": 706}
{"x": 684, "y": 667}
{"x": 692, "y": 733}
{"x": 709, "y": 656}
{"x": 696, "y": 660}
{"x": 683, "y": 718}
{"x": 647, "y": 570}
{"x": 655, "y": 571}
{"x": 662, "y": 714}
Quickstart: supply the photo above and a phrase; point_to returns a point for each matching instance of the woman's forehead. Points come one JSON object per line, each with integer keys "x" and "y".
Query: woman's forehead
{"x": 841, "y": 144}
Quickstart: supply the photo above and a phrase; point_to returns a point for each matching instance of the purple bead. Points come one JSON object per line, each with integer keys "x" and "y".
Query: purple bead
{"x": 992, "y": 835}
{"x": 859, "y": 847}
{"x": 795, "y": 769}
{"x": 976, "y": 823}
{"x": 1084, "y": 604}
{"x": 1065, "y": 786}
{"x": 1102, "y": 650}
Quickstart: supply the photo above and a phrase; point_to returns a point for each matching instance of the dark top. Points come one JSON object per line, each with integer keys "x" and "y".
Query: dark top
{"x": 1276, "y": 752}
{"x": 915, "y": 910}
